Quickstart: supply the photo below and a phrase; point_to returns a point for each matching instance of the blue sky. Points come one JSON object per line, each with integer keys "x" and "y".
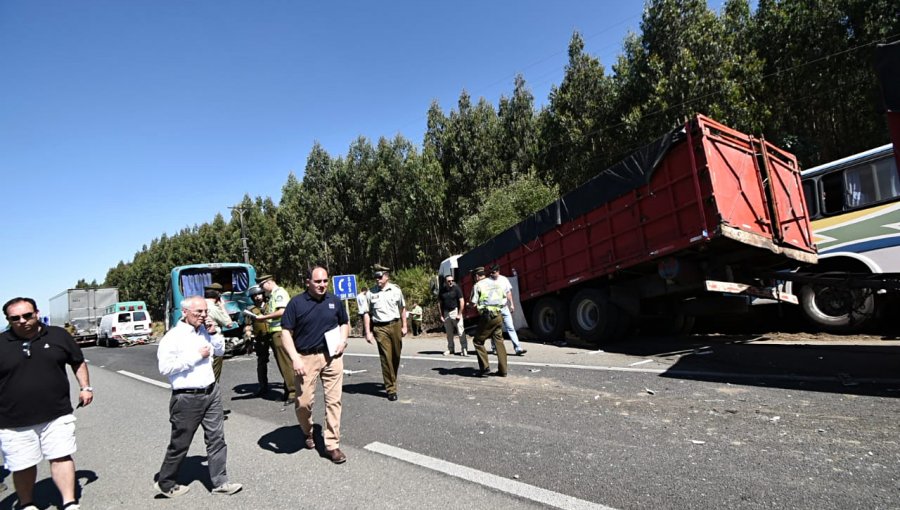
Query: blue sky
{"x": 120, "y": 121}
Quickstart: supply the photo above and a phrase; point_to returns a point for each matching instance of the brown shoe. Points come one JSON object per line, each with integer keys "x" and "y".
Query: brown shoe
{"x": 310, "y": 442}
{"x": 337, "y": 456}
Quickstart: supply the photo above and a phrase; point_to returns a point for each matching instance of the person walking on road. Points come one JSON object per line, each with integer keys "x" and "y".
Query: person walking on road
{"x": 385, "y": 322}
{"x": 262, "y": 342}
{"x": 276, "y": 300}
{"x": 184, "y": 357}
{"x": 414, "y": 319}
{"x": 508, "y": 309}
{"x": 360, "y": 305}
{"x": 307, "y": 319}
{"x": 218, "y": 315}
{"x": 488, "y": 296}
{"x": 36, "y": 420}
{"x": 450, "y": 307}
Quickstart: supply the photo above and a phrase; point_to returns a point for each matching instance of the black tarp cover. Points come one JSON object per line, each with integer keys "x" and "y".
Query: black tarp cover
{"x": 887, "y": 65}
{"x": 629, "y": 174}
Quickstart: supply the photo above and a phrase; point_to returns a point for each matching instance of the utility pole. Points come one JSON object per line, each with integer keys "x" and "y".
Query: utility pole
{"x": 244, "y": 248}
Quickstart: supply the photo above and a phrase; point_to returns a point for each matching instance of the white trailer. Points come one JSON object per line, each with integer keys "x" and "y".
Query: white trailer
{"x": 82, "y": 309}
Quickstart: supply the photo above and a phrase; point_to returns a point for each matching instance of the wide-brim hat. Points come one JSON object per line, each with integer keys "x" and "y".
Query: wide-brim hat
{"x": 214, "y": 286}
{"x": 263, "y": 278}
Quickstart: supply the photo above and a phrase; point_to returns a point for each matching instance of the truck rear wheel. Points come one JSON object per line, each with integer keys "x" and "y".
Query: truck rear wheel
{"x": 593, "y": 317}
{"x": 548, "y": 319}
{"x": 835, "y": 309}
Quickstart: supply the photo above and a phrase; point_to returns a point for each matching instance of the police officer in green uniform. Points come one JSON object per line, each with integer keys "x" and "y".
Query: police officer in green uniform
{"x": 384, "y": 321}
{"x": 489, "y": 296}
{"x": 258, "y": 331}
{"x": 216, "y": 314}
{"x": 276, "y": 300}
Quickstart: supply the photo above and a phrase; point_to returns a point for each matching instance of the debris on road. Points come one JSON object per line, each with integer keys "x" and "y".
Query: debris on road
{"x": 640, "y": 362}
{"x": 696, "y": 441}
{"x": 351, "y": 372}
{"x": 774, "y": 419}
{"x": 846, "y": 380}
{"x": 598, "y": 351}
{"x": 534, "y": 370}
{"x": 651, "y": 392}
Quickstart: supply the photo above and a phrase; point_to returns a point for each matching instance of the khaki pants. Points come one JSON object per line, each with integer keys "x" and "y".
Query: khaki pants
{"x": 390, "y": 342}
{"x": 285, "y": 366}
{"x": 490, "y": 327}
{"x": 331, "y": 371}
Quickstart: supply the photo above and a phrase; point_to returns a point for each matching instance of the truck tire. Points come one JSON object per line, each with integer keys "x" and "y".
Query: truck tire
{"x": 548, "y": 319}
{"x": 837, "y": 310}
{"x": 675, "y": 324}
{"x": 593, "y": 317}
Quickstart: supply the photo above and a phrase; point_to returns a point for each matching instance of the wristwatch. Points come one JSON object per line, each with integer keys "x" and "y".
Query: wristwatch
{"x": 87, "y": 388}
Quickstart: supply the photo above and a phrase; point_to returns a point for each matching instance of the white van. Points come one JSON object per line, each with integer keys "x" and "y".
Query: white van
{"x": 126, "y": 322}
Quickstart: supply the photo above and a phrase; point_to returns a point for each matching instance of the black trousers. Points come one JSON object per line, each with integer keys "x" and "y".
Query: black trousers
{"x": 187, "y": 412}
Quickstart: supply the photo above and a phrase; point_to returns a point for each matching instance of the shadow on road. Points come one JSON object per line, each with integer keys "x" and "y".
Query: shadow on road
{"x": 458, "y": 371}
{"x": 368, "y": 388}
{"x": 45, "y": 492}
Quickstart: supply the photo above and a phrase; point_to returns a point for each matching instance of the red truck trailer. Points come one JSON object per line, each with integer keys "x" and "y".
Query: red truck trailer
{"x": 665, "y": 235}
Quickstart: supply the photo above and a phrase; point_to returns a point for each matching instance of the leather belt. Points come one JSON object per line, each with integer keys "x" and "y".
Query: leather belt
{"x": 195, "y": 391}
{"x": 385, "y": 323}
{"x": 315, "y": 350}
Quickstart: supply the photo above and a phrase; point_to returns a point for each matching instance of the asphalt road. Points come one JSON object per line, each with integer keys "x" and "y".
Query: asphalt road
{"x": 705, "y": 422}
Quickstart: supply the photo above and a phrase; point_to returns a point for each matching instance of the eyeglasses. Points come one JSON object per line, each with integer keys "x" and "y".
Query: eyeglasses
{"x": 15, "y": 318}
{"x": 26, "y": 348}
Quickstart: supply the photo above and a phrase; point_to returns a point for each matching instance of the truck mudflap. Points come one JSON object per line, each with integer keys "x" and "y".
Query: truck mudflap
{"x": 749, "y": 290}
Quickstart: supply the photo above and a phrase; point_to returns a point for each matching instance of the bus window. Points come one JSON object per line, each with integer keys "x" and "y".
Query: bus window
{"x": 861, "y": 189}
{"x": 885, "y": 171}
{"x": 812, "y": 201}
{"x": 833, "y": 193}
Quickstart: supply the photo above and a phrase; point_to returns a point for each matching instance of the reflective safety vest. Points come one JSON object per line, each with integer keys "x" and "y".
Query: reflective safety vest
{"x": 490, "y": 295}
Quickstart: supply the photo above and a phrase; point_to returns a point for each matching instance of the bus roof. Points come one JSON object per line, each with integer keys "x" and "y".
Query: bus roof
{"x": 849, "y": 160}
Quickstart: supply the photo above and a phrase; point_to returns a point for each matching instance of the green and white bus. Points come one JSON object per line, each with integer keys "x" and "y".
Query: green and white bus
{"x": 854, "y": 209}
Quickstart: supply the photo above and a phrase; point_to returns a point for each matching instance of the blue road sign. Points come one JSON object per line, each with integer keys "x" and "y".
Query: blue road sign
{"x": 345, "y": 286}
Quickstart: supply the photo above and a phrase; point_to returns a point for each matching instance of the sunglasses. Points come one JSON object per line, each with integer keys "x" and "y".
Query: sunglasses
{"x": 15, "y": 318}
{"x": 379, "y": 274}
{"x": 26, "y": 349}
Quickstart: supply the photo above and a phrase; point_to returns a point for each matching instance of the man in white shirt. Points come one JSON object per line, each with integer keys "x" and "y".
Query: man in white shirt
{"x": 185, "y": 357}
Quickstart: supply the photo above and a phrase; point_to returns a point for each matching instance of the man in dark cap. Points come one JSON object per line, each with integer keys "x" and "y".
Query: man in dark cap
{"x": 384, "y": 321}
{"x": 488, "y": 296}
{"x": 217, "y": 314}
{"x": 508, "y": 309}
{"x": 276, "y": 300}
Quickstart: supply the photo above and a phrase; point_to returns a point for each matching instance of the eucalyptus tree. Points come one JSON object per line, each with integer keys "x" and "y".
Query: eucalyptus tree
{"x": 574, "y": 127}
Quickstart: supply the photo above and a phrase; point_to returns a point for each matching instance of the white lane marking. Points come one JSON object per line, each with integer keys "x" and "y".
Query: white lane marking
{"x": 669, "y": 372}
{"x": 145, "y": 379}
{"x": 519, "y": 489}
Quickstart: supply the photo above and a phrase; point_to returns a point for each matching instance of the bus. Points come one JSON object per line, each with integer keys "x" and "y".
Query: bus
{"x": 854, "y": 208}
{"x": 190, "y": 280}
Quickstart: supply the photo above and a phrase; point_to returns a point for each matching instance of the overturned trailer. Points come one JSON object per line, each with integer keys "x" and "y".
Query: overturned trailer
{"x": 668, "y": 233}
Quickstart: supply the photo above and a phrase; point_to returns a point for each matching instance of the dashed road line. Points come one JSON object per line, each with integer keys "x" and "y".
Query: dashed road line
{"x": 145, "y": 379}
{"x": 518, "y": 489}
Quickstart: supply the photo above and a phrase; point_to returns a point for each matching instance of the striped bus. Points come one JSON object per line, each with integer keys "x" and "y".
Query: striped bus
{"x": 854, "y": 208}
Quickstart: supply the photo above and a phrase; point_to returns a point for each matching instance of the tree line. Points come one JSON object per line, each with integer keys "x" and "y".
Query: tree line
{"x": 798, "y": 72}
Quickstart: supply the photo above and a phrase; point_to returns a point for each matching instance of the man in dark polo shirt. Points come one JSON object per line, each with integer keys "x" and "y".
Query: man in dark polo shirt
{"x": 36, "y": 420}
{"x": 305, "y": 322}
